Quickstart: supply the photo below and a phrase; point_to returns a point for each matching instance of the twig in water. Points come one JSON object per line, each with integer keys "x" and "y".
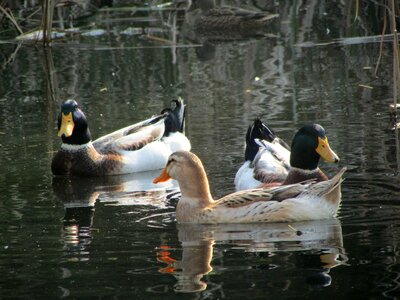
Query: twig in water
{"x": 154, "y": 216}
{"x": 298, "y": 232}
{"x": 381, "y": 43}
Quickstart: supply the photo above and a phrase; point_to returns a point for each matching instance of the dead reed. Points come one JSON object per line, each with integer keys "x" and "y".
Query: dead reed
{"x": 47, "y": 20}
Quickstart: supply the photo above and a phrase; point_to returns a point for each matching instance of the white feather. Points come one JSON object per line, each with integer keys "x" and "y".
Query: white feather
{"x": 271, "y": 158}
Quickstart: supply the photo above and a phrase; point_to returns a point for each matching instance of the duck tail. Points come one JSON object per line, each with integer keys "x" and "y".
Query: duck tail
{"x": 258, "y": 130}
{"x": 330, "y": 189}
{"x": 175, "y": 120}
{"x": 337, "y": 179}
{"x": 333, "y": 194}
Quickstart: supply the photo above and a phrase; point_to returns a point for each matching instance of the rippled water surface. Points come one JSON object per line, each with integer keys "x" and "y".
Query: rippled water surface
{"x": 117, "y": 237}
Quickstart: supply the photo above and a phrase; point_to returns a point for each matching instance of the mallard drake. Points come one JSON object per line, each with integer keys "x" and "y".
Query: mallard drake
{"x": 204, "y": 15}
{"x": 140, "y": 147}
{"x": 269, "y": 161}
{"x": 289, "y": 203}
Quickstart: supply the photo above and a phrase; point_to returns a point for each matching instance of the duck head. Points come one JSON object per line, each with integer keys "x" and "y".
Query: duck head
{"x": 188, "y": 170}
{"x": 181, "y": 165}
{"x": 72, "y": 125}
{"x": 310, "y": 144}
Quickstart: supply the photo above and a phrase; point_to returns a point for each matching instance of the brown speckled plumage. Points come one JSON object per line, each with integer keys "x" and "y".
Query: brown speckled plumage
{"x": 85, "y": 162}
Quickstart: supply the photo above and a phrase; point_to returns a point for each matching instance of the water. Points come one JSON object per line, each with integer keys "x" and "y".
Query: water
{"x": 103, "y": 238}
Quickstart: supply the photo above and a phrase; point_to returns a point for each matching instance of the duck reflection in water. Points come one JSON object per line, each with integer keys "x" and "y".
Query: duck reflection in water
{"x": 208, "y": 24}
{"x": 80, "y": 196}
{"x": 315, "y": 247}
{"x": 207, "y": 18}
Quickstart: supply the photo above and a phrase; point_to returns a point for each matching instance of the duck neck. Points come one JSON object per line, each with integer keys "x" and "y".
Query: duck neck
{"x": 197, "y": 190}
{"x": 197, "y": 194}
{"x": 297, "y": 175}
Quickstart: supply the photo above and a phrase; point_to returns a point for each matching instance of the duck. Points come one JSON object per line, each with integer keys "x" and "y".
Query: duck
{"x": 287, "y": 203}
{"x": 269, "y": 161}
{"x": 204, "y": 15}
{"x": 143, "y": 146}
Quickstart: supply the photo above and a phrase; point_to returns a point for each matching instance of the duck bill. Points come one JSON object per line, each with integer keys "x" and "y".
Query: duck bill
{"x": 164, "y": 176}
{"x": 67, "y": 125}
{"x": 325, "y": 151}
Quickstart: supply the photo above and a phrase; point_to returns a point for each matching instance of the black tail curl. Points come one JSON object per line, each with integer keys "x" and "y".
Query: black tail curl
{"x": 175, "y": 121}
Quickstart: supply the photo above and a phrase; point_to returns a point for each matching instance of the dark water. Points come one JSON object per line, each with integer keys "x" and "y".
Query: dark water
{"x": 104, "y": 238}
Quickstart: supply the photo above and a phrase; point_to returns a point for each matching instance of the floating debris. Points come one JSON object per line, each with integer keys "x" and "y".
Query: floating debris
{"x": 153, "y": 30}
{"x": 132, "y": 31}
{"x": 357, "y": 40}
{"x": 365, "y": 86}
{"x": 94, "y": 32}
{"x": 38, "y": 36}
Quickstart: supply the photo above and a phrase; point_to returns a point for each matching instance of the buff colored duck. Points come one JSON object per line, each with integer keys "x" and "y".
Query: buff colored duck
{"x": 140, "y": 147}
{"x": 289, "y": 203}
{"x": 269, "y": 161}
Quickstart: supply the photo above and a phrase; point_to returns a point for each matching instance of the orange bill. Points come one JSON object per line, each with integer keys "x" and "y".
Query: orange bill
{"x": 325, "y": 151}
{"x": 67, "y": 125}
{"x": 164, "y": 176}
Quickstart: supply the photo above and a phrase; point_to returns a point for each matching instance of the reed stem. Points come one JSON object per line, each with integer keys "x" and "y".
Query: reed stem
{"x": 396, "y": 70}
{"x": 47, "y": 20}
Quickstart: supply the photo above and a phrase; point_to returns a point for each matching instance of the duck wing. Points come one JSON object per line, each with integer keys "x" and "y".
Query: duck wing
{"x": 272, "y": 162}
{"x": 132, "y": 137}
{"x": 246, "y": 197}
{"x": 281, "y": 193}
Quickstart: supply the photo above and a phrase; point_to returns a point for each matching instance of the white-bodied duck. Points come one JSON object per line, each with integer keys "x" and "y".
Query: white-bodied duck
{"x": 140, "y": 147}
{"x": 270, "y": 162}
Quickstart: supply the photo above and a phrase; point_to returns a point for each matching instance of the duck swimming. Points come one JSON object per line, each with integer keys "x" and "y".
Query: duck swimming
{"x": 139, "y": 147}
{"x": 204, "y": 15}
{"x": 270, "y": 162}
{"x": 289, "y": 203}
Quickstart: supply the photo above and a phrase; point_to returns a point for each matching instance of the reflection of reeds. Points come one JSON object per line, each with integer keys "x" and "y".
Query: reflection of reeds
{"x": 396, "y": 71}
{"x": 47, "y": 20}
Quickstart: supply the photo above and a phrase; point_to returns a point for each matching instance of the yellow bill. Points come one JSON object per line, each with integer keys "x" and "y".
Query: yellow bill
{"x": 325, "y": 151}
{"x": 67, "y": 125}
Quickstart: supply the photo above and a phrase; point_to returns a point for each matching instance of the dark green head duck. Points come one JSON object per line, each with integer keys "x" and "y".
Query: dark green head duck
{"x": 72, "y": 124}
{"x": 310, "y": 144}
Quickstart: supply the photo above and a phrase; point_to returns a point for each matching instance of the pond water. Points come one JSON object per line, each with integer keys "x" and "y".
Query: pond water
{"x": 117, "y": 237}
